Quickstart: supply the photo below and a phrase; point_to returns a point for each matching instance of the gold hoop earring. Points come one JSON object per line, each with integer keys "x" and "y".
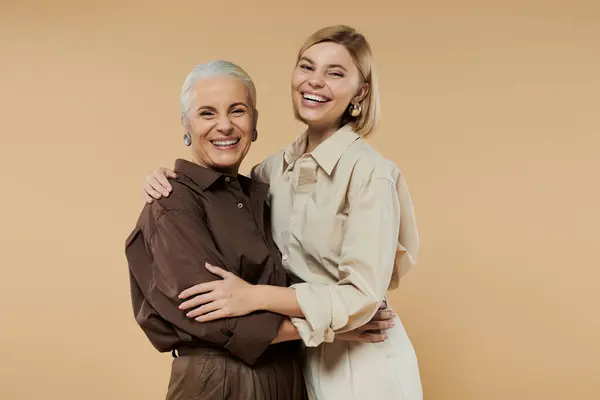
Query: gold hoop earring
{"x": 355, "y": 110}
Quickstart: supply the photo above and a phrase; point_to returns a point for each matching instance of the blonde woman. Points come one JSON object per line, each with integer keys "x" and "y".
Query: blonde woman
{"x": 343, "y": 220}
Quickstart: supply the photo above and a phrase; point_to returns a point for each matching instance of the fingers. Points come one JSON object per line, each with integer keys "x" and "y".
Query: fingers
{"x": 383, "y": 315}
{"x": 383, "y": 305}
{"x": 374, "y": 337}
{"x": 157, "y": 184}
{"x": 217, "y": 270}
{"x": 378, "y": 325}
{"x": 199, "y": 289}
{"x": 169, "y": 174}
{"x": 204, "y": 309}
{"x": 214, "y": 316}
{"x": 161, "y": 183}
{"x": 155, "y": 181}
{"x": 199, "y": 300}
{"x": 149, "y": 192}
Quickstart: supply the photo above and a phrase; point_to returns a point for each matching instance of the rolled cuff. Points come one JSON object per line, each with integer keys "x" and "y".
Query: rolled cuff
{"x": 315, "y": 302}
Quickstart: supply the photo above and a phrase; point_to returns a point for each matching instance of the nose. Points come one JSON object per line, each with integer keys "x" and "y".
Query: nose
{"x": 316, "y": 80}
{"x": 224, "y": 125}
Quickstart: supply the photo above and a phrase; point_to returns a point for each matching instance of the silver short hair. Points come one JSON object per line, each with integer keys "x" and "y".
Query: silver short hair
{"x": 209, "y": 70}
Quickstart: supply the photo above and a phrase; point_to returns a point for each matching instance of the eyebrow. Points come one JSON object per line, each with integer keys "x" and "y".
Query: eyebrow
{"x": 239, "y": 103}
{"x": 329, "y": 66}
{"x": 205, "y": 108}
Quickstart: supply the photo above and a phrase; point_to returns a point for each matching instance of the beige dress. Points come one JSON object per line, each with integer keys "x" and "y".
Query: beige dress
{"x": 343, "y": 219}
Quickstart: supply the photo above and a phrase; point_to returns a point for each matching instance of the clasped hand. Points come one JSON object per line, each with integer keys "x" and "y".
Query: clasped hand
{"x": 232, "y": 296}
{"x": 228, "y": 297}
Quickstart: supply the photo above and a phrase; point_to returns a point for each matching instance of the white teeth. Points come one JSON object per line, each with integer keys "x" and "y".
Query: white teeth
{"x": 224, "y": 143}
{"x": 314, "y": 97}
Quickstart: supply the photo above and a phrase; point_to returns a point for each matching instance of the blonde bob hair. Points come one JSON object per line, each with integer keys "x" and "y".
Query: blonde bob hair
{"x": 360, "y": 51}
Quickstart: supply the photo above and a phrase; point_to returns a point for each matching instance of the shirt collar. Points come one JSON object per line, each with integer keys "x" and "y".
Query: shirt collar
{"x": 328, "y": 153}
{"x": 202, "y": 176}
{"x": 205, "y": 177}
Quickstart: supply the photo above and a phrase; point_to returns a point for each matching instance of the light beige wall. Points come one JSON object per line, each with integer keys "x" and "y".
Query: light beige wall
{"x": 491, "y": 110}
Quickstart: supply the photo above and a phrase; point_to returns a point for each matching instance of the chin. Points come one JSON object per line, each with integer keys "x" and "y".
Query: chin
{"x": 225, "y": 162}
{"x": 310, "y": 116}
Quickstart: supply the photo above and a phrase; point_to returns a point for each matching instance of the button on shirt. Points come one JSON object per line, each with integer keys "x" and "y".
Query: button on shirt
{"x": 209, "y": 217}
{"x": 343, "y": 218}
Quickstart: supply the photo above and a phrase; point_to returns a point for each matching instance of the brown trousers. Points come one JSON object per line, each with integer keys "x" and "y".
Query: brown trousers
{"x": 214, "y": 374}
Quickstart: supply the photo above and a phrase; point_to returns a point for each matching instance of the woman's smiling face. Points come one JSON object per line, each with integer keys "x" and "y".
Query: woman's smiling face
{"x": 221, "y": 122}
{"x": 324, "y": 83}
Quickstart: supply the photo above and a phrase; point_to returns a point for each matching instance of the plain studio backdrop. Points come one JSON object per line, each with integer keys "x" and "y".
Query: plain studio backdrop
{"x": 492, "y": 109}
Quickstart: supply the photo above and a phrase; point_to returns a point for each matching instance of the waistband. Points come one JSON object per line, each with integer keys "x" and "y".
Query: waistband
{"x": 189, "y": 351}
{"x": 277, "y": 351}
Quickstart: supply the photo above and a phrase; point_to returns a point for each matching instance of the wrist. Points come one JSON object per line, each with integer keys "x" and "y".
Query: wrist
{"x": 258, "y": 299}
{"x": 287, "y": 332}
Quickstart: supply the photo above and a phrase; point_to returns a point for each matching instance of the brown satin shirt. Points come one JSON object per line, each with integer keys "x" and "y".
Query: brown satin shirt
{"x": 209, "y": 217}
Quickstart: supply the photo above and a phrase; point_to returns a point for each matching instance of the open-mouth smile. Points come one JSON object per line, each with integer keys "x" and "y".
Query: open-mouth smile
{"x": 225, "y": 144}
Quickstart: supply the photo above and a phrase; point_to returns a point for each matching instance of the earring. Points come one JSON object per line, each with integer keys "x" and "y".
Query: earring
{"x": 355, "y": 110}
{"x": 187, "y": 139}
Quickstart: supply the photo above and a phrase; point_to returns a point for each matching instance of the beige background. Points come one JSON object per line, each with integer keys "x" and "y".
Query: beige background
{"x": 491, "y": 109}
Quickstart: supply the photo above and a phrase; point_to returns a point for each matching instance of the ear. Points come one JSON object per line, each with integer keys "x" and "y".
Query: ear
{"x": 362, "y": 92}
{"x": 184, "y": 122}
{"x": 255, "y": 133}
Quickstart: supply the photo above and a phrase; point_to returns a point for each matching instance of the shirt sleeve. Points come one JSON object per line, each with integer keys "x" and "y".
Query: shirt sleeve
{"x": 408, "y": 237}
{"x": 264, "y": 170}
{"x": 368, "y": 259}
{"x": 180, "y": 246}
{"x": 258, "y": 173}
{"x": 156, "y": 328}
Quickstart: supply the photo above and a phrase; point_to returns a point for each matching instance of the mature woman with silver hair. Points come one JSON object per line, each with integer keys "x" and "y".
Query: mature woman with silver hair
{"x": 220, "y": 217}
